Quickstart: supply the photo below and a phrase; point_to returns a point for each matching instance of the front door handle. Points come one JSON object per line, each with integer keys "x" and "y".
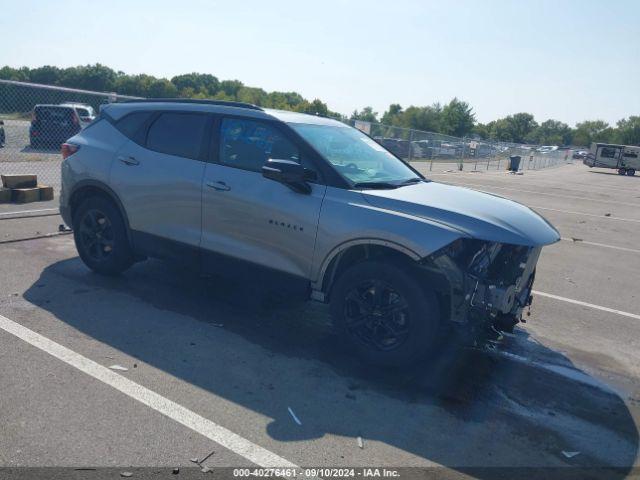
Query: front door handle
{"x": 129, "y": 161}
{"x": 219, "y": 186}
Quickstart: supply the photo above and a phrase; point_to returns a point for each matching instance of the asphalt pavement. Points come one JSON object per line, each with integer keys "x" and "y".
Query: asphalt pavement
{"x": 214, "y": 366}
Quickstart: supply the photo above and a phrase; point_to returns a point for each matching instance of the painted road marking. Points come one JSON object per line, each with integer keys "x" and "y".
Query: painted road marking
{"x": 22, "y": 212}
{"x": 567, "y": 372}
{"x": 585, "y": 304}
{"x": 615, "y": 247}
{"x": 173, "y": 410}
{"x": 611, "y": 217}
{"x": 612, "y": 202}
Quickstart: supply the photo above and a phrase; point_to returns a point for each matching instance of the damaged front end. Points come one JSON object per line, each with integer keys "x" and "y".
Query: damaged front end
{"x": 484, "y": 286}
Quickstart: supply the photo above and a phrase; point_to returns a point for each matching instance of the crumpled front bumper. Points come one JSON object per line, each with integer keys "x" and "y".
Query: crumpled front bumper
{"x": 499, "y": 291}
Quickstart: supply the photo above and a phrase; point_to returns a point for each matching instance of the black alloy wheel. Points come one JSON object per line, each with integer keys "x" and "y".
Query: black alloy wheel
{"x": 96, "y": 234}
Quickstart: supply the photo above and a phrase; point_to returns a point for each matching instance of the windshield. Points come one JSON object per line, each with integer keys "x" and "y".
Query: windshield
{"x": 355, "y": 156}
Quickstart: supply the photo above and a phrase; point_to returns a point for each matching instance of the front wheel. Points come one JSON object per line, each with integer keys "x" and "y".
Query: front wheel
{"x": 384, "y": 314}
{"x": 101, "y": 236}
{"x": 631, "y": 172}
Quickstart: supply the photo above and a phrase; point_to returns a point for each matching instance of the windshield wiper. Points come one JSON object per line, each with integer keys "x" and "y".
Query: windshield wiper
{"x": 409, "y": 181}
{"x": 376, "y": 185}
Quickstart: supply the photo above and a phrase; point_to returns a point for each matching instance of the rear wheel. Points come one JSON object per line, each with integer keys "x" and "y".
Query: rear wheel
{"x": 631, "y": 172}
{"x": 384, "y": 314}
{"x": 101, "y": 237}
{"x": 621, "y": 171}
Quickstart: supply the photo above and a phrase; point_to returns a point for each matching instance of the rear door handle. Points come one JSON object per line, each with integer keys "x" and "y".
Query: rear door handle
{"x": 219, "y": 186}
{"x": 129, "y": 161}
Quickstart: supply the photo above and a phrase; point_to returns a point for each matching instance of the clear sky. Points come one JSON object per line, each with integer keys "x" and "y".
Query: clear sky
{"x": 564, "y": 59}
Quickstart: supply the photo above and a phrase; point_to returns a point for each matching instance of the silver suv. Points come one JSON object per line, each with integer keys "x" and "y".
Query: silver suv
{"x": 305, "y": 203}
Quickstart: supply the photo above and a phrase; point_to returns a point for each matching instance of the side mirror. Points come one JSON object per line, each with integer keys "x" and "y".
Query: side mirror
{"x": 289, "y": 173}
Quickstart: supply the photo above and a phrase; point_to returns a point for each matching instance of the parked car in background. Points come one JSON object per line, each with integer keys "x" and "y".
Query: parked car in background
{"x": 546, "y": 149}
{"x": 3, "y": 138}
{"x": 421, "y": 149}
{"x": 580, "y": 154}
{"x": 85, "y": 112}
{"x": 398, "y": 147}
{"x": 52, "y": 125}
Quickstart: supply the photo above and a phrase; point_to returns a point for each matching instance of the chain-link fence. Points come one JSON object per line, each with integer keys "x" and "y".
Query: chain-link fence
{"x": 435, "y": 152}
{"x": 36, "y": 119}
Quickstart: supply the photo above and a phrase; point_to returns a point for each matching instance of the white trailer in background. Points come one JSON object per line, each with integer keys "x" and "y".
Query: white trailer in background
{"x": 624, "y": 158}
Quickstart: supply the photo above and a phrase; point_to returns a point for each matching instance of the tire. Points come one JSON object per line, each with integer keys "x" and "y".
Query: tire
{"x": 621, "y": 171}
{"x": 631, "y": 172}
{"x": 101, "y": 236}
{"x": 353, "y": 298}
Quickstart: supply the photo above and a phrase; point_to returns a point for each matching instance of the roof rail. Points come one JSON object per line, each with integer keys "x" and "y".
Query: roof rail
{"x": 223, "y": 103}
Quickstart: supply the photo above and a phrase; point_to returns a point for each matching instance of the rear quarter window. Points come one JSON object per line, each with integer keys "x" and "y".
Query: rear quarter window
{"x": 131, "y": 124}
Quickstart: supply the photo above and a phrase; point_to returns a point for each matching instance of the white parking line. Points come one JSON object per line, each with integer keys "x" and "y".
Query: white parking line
{"x": 567, "y": 372}
{"x": 585, "y": 304}
{"x": 596, "y": 244}
{"x": 610, "y": 217}
{"x": 174, "y": 411}
{"x": 612, "y": 202}
{"x": 22, "y": 212}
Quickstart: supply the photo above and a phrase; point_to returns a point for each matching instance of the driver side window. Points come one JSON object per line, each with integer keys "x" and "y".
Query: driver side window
{"x": 248, "y": 144}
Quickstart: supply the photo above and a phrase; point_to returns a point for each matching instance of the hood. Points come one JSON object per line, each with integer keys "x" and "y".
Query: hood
{"x": 480, "y": 215}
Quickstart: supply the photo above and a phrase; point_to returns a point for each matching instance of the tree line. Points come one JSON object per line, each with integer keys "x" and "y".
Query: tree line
{"x": 455, "y": 118}
{"x": 190, "y": 85}
{"x": 458, "y": 119}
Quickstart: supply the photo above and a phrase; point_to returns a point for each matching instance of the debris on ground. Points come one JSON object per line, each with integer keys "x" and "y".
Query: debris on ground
{"x": 217, "y": 324}
{"x": 293, "y": 415}
{"x": 203, "y": 468}
{"x": 175, "y": 471}
{"x": 360, "y": 442}
{"x": 576, "y": 239}
{"x": 126, "y": 474}
{"x": 607, "y": 214}
{"x": 570, "y": 454}
{"x": 119, "y": 368}
{"x": 63, "y": 228}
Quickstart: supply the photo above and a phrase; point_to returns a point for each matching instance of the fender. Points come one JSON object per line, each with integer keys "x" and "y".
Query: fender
{"x": 317, "y": 285}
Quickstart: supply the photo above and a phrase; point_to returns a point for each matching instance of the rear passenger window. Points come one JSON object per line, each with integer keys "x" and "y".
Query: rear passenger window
{"x": 177, "y": 134}
{"x": 247, "y": 144}
{"x": 130, "y": 124}
{"x": 630, "y": 155}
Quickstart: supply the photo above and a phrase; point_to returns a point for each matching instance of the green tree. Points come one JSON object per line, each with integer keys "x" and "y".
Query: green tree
{"x": 392, "y": 116}
{"x": 457, "y": 118}
{"x": 628, "y": 131}
{"x": 592, "y": 131}
{"x": 482, "y": 130}
{"x": 551, "y": 132}
{"x": 316, "y": 107}
{"x": 367, "y": 115}
{"x": 197, "y": 82}
{"x": 231, "y": 87}
{"x": 422, "y": 118}
{"x": 46, "y": 74}
{"x": 515, "y": 128}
